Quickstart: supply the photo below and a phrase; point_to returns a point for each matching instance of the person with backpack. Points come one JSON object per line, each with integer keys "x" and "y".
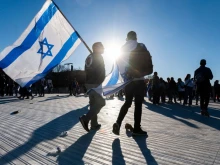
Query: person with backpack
{"x": 95, "y": 75}
{"x": 202, "y": 76}
{"x": 134, "y": 63}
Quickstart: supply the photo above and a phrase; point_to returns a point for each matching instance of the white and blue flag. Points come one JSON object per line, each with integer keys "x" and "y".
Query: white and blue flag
{"x": 112, "y": 83}
{"x": 48, "y": 40}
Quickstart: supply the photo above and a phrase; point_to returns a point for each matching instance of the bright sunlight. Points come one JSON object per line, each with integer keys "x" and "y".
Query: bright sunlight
{"x": 112, "y": 51}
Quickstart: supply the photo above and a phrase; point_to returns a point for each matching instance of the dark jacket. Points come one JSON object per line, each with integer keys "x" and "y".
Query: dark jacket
{"x": 156, "y": 82}
{"x": 95, "y": 69}
{"x": 172, "y": 85}
{"x": 206, "y": 72}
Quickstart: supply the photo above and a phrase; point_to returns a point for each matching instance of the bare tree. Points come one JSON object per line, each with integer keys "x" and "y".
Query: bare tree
{"x": 60, "y": 68}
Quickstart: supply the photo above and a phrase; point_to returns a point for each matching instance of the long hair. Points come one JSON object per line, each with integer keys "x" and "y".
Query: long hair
{"x": 187, "y": 77}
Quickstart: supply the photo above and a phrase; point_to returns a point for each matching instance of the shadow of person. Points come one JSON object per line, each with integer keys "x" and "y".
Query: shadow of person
{"x": 142, "y": 144}
{"x": 182, "y": 114}
{"x": 9, "y": 100}
{"x": 169, "y": 111}
{"x": 117, "y": 156}
{"x": 49, "y": 131}
{"x": 54, "y": 98}
{"x": 75, "y": 153}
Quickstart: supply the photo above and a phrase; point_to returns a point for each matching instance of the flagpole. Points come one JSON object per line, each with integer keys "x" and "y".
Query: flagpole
{"x": 73, "y": 28}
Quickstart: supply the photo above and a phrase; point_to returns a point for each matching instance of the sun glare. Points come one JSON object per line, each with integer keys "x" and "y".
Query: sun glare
{"x": 112, "y": 51}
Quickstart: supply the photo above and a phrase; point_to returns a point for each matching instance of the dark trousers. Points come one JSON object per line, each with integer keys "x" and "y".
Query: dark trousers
{"x": 197, "y": 97}
{"x": 181, "y": 95}
{"x": 42, "y": 90}
{"x": 156, "y": 96}
{"x": 172, "y": 95}
{"x": 163, "y": 96}
{"x": 216, "y": 95}
{"x": 133, "y": 90}
{"x": 2, "y": 90}
{"x": 96, "y": 103}
{"x": 204, "y": 99}
{"x": 188, "y": 94}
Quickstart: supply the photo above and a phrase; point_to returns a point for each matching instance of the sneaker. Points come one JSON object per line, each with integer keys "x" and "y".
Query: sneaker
{"x": 84, "y": 124}
{"x": 97, "y": 127}
{"x": 32, "y": 97}
{"x": 139, "y": 132}
{"x": 116, "y": 128}
{"x": 206, "y": 113}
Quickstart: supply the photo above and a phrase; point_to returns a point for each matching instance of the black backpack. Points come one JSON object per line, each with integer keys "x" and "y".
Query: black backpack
{"x": 140, "y": 62}
{"x": 199, "y": 78}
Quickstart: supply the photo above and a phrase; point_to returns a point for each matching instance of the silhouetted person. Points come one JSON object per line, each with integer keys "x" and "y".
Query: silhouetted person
{"x": 136, "y": 88}
{"x": 181, "y": 89}
{"x": 202, "y": 76}
{"x": 188, "y": 90}
{"x": 156, "y": 89}
{"x": 95, "y": 75}
{"x": 172, "y": 90}
{"x": 216, "y": 91}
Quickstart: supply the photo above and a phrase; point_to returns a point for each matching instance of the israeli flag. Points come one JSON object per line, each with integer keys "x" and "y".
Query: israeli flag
{"x": 48, "y": 40}
{"x": 112, "y": 83}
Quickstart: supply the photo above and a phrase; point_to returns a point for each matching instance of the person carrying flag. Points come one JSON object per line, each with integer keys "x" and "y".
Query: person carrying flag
{"x": 134, "y": 64}
{"x": 95, "y": 75}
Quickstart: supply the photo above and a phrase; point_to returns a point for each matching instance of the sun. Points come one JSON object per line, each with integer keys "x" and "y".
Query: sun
{"x": 112, "y": 51}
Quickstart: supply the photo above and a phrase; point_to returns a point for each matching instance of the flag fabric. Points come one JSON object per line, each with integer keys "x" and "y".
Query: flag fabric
{"x": 48, "y": 40}
{"x": 112, "y": 83}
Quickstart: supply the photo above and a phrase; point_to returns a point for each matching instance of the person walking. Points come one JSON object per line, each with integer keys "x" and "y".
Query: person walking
{"x": 156, "y": 89}
{"x": 128, "y": 69}
{"x": 188, "y": 90}
{"x": 202, "y": 76}
{"x": 95, "y": 75}
{"x": 181, "y": 89}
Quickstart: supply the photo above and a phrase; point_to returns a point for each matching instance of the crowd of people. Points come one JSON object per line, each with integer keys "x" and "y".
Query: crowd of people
{"x": 8, "y": 87}
{"x": 184, "y": 91}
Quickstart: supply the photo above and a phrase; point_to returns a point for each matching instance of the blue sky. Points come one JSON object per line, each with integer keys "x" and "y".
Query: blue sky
{"x": 178, "y": 33}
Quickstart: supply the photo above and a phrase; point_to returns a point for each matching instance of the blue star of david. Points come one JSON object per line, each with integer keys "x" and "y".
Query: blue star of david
{"x": 49, "y": 47}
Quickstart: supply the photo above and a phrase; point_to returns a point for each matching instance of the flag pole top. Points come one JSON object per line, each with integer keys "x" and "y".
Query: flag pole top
{"x": 72, "y": 26}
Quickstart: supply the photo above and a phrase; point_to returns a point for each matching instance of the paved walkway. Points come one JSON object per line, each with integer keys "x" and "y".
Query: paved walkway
{"x": 177, "y": 134}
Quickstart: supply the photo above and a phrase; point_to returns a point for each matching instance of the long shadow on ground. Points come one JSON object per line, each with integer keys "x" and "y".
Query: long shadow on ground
{"x": 117, "y": 156}
{"x": 183, "y": 113}
{"x": 142, "y": 144}
{"x": 54, "y": 98}
{"x": 75, "y": 153}
{"x": 9, "y": 100}
{"x": 48, "y": 131}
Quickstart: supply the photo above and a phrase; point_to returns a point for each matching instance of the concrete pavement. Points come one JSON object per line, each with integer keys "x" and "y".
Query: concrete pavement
{"x": 177, "y": 134}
